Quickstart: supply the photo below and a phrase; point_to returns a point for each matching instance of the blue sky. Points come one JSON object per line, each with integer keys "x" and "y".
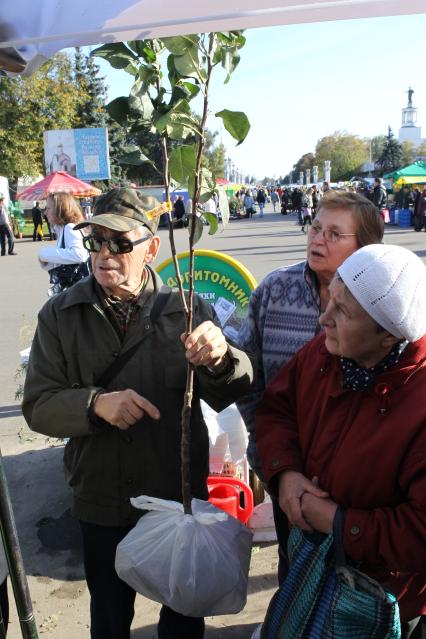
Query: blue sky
{"x": 299, "y": 83}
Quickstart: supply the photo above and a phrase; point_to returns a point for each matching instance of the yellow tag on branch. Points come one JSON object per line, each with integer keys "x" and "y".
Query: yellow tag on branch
{"x": 159, "y": 210}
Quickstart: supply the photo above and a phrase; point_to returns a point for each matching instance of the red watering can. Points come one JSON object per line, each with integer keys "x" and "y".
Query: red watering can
{"x": 231, "y": 495}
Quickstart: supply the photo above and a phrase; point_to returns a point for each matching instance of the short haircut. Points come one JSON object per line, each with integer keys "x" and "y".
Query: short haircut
{"x": 369, "y": 223}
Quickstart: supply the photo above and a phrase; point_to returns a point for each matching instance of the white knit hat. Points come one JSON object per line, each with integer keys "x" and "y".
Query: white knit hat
{"x": 390, "y": 284}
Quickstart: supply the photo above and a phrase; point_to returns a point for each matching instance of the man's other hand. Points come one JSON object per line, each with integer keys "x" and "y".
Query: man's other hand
{"x": 124, "y": 408}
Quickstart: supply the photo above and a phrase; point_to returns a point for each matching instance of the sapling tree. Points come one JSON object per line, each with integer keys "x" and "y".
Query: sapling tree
{"x": 168, "y": 75}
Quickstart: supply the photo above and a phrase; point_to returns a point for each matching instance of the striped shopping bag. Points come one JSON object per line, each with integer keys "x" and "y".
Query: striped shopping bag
{"x": 324, "y": 598}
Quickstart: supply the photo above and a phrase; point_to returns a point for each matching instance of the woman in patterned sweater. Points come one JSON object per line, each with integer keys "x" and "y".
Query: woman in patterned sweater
{"x": 284, "y": 309}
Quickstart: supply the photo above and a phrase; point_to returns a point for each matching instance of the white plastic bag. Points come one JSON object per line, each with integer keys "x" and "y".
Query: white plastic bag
{"x": 196, "y": 564}
{"x": 230, "y": 423}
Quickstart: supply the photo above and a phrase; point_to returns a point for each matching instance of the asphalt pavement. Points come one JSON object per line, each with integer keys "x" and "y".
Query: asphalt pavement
{"x": 40, "y": 497}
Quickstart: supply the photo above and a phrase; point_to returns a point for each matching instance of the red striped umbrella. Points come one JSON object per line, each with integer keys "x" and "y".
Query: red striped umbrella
{"x": 58, "y": 182}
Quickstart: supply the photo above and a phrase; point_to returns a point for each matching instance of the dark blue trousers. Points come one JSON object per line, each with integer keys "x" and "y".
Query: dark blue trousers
{"x": 6, "y": 234}
{"x": 112, "y": 600}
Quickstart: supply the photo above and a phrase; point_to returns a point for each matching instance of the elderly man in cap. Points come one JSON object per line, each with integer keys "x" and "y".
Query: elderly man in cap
{"x": 343, "y": 423}
{"x": 107, "y": 369}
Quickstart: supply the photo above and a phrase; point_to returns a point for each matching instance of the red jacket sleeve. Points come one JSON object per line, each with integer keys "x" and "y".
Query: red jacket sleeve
{"x": 394, "y": 536}
{"x": 276, "y": 424}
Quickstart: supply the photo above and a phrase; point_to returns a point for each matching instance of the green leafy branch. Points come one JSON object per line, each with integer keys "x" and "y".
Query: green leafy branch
{"x": 168, "y": 75}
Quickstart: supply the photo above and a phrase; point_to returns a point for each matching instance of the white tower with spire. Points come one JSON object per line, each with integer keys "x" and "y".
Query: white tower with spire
{"x": 409, "y": 131}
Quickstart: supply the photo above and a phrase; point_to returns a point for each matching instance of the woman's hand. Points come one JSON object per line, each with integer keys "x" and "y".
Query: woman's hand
{"x": 293, "y": 486}
{"x": 318, "y": 512}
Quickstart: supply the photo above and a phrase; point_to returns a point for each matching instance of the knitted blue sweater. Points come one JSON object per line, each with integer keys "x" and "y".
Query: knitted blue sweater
{"x": 282, "y": 316}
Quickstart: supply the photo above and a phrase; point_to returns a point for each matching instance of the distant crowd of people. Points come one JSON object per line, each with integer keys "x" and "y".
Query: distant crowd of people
{"x": 304, "y": 201}
{"x": 301, "y": 200}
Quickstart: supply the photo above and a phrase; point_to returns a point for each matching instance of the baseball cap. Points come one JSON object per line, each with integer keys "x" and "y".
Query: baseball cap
{"x": 124, "y": 210}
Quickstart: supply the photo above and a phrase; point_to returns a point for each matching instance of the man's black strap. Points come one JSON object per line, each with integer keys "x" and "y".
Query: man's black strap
{"x": 119, "y": 363}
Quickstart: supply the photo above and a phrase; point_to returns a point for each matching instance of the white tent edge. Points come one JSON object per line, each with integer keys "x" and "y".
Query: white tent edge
{"x": 265, "y": 14}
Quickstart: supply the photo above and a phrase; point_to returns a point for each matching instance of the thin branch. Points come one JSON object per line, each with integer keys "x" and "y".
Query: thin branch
{"x": 186, "y": 411}
{"x": 165, "y": 153}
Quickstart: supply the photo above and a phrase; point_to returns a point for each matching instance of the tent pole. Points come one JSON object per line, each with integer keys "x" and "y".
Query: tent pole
{"x": 12, "y": 549}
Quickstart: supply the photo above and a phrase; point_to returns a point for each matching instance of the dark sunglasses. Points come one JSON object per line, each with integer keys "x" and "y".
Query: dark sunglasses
{"x": 115, "y": 245}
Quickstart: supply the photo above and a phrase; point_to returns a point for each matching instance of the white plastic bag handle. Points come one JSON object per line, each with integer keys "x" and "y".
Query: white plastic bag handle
{"x": 144, "y": 502}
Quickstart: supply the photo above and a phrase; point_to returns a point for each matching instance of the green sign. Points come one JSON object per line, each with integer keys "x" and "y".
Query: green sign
{"x": 220, "y": 280}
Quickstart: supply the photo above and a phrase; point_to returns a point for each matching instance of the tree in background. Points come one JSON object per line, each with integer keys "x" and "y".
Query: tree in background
{"x": 91, "y": 112}
{"x": 303, "y": 163}
{"x": 28, "y": 107}
{"x": 346, "y": 152}
{"x": 375, "y": 148}
{"x": 408, "y": 152}
{"x": 421, "y": 152}
{"x": 215, "y": 160}
{"x": 390, "y": 158}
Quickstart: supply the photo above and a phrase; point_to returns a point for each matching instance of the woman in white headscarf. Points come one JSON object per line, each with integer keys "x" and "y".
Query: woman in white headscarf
{"x": 342, "y": 424}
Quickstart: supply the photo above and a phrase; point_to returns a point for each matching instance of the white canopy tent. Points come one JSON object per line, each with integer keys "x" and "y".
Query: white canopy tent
{"x": 32, "y": 31}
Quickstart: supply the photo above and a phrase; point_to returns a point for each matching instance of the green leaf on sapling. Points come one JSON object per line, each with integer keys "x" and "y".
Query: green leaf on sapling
{"x": 236, "y": 123}
{"x": 199, "y": 227}
{"x": 116, "y": 53}
{"x": 212, "y": 221}
{"x": 119, "y": 110}
{"x": 179, "y": 44}
{"x": 182, "y": 163}
{"x": 140, "y": 100}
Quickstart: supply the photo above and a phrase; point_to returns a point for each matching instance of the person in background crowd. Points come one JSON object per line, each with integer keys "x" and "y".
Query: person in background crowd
{"x": 125, "y": 425}
{"x": 261, "y": 200}
{"x": 179, "y": 211}
{"x": 49, "y": 228}
{"x": 37, "y": 217}
{"x": 63, "y": 214}
{"x": 380, "y": 198}
{"x": 420, "y": 212}
{"x": 412, "y": 197}
{"x": 325, "y": 187}
{"x": 5, "y": 230}
{"x": 307, "y": 208}
{"x": 346, "y": 415}
{"x": 188, "y": 211}
{"x": 284, "y": 309}
{"x": 417, "y": 196}
{"x": 285, "y": 201}
{"x": 248, "y": 204}
{"x": 364, "y": 190}
{"x": 315, "y": 200}
{"x": 296, "y": 199}
{"x": 275, "y": 198}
